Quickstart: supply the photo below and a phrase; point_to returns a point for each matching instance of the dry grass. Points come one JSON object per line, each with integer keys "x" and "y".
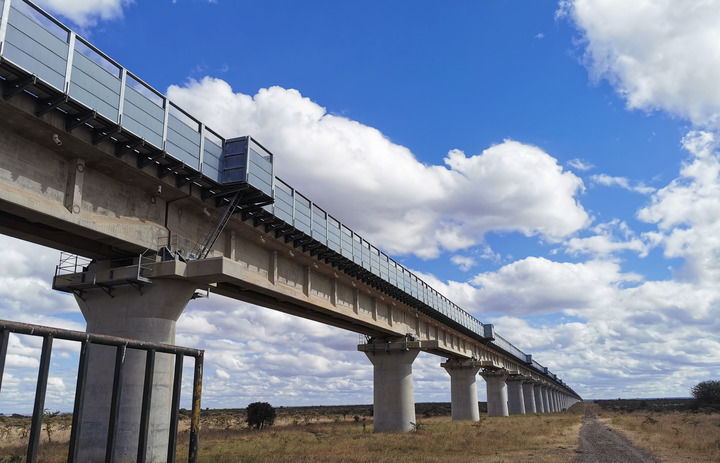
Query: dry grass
{"x": 338, "y": 438}
{"x": 670, "y": 436}
{"x": 533, "y": 438}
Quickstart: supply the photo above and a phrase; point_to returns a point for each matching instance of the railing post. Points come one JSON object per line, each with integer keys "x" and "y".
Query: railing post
{"x": 4, "y": 24}
{"x": 69, "y": 62}
{"x": 78, "y": 407}
{"x": 39, "y": 408}
{"x": 115, "y": 402}
{"x": 145, "y": 409}
{"x": 201, "y": 155}
{"x": 121, "y": 103}
{"x": 4, "y": 335}
{"x": 166, "y": 118}
{"x": 195, "y": 416}
{"x": 174, "y": 406}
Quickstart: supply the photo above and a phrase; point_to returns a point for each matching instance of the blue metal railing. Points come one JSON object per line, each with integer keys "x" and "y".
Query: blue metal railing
{"x": 40, "y": 45}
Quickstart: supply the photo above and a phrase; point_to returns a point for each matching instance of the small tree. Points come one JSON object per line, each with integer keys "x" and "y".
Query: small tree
{"x": 260, "y": 414}
{"x": 50, "y": 421}
{"x": 707, "y": 393}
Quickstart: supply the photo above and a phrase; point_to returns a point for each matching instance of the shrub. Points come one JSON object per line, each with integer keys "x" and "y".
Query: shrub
{"x": 707, "y": 393}
{"x": 260, "y": 414}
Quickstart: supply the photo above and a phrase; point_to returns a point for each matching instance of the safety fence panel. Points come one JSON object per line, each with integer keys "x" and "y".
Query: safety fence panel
{"x": 283, "y": 205}
{"x": 333, "y": 234}
{"x": 357, "y": 249}
{"x": 143, "y": 112}
{"x": 260, "y": 173}
{"x": 365, "y": 254}
{"x": 95, "y": 81}
{"x": 346, "y": 242}
{"x": 303, "y": 214}
{"x": 37, "y": 44}
{"x": 319, "y": 225}
{"x": 183, "y": 137}
{"x": 212, "y": 154}
{"x": 505, "y": 345}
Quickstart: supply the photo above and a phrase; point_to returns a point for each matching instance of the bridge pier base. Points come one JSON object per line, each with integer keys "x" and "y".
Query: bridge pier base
{"x": 497, "y": 404}
{"x": 463, "y": 389}
{"x": 516, "y": 399}
{"x": 149, "y": 314}
{"x": 528, "y": 388}
{"x": 393, "y": 396}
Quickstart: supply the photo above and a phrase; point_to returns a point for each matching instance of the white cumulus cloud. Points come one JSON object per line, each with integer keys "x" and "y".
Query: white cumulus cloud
{"x": 659, "y": 55}
{"x": 621, "y": 182}
{"x": 86, "y": 13}
{"x": 380, "y": 188}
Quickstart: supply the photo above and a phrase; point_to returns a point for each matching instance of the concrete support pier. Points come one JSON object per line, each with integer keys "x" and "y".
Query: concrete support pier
{"x": 539, "y": 406}
{"x": 393, "y": 398}
{"x": 496, "y": 392}
{"x": 528, "y": 387}
{"x": 516, "y": 399}
{"x": 463, "y": 388}
{"x": 546, "y": 400}
{"x": 149, "y": 314}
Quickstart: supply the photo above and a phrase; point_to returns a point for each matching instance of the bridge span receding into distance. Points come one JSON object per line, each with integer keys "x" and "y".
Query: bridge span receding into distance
{"x": 96, "y": 162}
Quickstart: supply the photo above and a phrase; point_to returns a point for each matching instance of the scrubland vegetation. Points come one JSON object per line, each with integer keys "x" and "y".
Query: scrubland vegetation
{"x": 672, "y": 430}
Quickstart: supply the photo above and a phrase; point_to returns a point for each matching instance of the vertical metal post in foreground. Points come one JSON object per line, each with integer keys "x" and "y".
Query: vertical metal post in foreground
{"x": 78, "y": 407}
{"x": 177, "y": 383}
{"x": 195, "y": 417}
{"x": 40, "y": 390}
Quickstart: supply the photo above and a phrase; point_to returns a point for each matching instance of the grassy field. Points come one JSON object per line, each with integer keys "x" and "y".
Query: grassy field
{"x": 531, "y": 438}
{"x": 671, "y": 436}
{"x": 344, "y": 434}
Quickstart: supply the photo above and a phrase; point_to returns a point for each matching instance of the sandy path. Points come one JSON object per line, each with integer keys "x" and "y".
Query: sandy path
{"x": 601, "y": 444}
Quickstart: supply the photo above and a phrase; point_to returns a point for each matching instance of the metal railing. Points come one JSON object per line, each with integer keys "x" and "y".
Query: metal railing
{"x": 121, "y": 345}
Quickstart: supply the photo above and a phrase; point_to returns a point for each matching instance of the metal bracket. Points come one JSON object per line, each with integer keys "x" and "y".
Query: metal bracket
{"x": 77, "y": 120}
{"x": 17, "y": 86}
{"x": 164, "y": 171}
{"x": 121, "y": 150}
{"x": 48, "y": 104}
{"x": 104, "y": 134}
{"x": 106, "y": 288}
{"x": 143, "y": 160}
{"x": 182, "y": 180}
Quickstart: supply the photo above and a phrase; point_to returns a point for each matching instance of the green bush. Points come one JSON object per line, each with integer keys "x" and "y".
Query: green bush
{"x": 707, "y": 393}
{"x": 260, "y": 414}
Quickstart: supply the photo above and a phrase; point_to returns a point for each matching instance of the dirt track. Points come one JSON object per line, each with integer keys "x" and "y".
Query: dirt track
{"x": 600, "y": 444}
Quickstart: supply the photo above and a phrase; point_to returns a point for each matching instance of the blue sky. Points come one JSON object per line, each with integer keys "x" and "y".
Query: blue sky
{"x": 550, "y": 166}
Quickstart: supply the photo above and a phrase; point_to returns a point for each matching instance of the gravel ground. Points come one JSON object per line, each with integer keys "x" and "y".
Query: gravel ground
{"x": 600, "y": 444}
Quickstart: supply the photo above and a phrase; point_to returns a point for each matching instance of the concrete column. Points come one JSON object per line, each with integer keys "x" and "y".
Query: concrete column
{"x": 463, "y": 389}
{"x": 393, "y": 400}
{"x": 516, "y": 399}
{"x": 559, "y": 398}
{"x": 545, "y": 399}
{"x": 496, "y": 392}
{"x": 149, "y": 315}
{"x": 537, "y": 392}
{"x": 528, "y": 387}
